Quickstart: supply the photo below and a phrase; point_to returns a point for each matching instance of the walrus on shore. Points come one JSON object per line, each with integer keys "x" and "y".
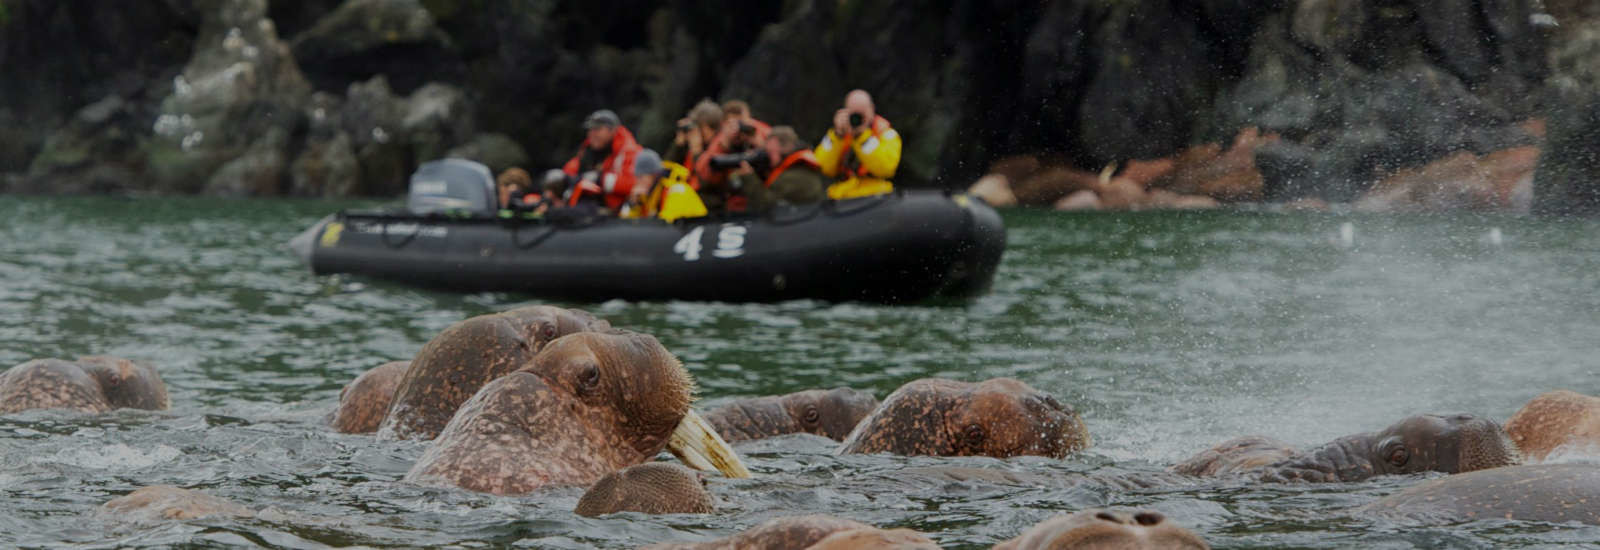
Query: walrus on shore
{"x": 167, "y": 502}
{"x": 454, "y": 364}
{"x": 1106, "y": 530}
{"x": 1000, "y": 418}
{"x": 1555, "y": 493}
{"x": 588, "y": 404}
{"x": 828, "y": 413}
{"x": 364, "y": 402}
{"x": 93, "y": 384}
{"x": 1440, "y": 443}
{"x": 815, "y": 532}
{"x": 649, "y": 488}
{"x": 1553, "y": 420}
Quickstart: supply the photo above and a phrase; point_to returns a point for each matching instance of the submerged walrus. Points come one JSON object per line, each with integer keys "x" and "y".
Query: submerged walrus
{"x": 1555, "y": 493}
{"x": 815, "y": 532}
{"x": 159, "y": 502}
{"x": 1001, "y": 418}
{"x": 828, "y": 413}
{"x": 364, "y": 402}
{"x": 649, "y": 488}
{"x": 1554, "y": 420}
{"x": 92, "y": 384}
{"x": 1449, "y": 444}
{"x": 1106, "y": 530}
{"x": 588, "y": 404}
{"x": 453, "y": 365}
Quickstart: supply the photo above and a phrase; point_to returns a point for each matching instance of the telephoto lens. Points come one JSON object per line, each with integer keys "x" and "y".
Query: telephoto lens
{"x": 856, "y": 120}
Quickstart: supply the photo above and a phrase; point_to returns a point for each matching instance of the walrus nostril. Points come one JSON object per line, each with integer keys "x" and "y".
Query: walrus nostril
{"x": 1107, "y": 517}
{"x": 1148, "y": 518}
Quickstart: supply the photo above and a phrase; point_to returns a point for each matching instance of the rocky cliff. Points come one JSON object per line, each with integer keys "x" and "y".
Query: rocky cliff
{"x": 331, "y": 98}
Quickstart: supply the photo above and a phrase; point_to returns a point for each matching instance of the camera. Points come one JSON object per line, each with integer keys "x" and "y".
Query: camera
{"x": 746, "y": 129}
{"x": 856, "y": 120}
{"x": 685, "y": 127}
{"x": 757, "y": 158}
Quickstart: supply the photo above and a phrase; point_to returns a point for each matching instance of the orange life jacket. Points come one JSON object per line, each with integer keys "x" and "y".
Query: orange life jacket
{"x": 803, "y": 155}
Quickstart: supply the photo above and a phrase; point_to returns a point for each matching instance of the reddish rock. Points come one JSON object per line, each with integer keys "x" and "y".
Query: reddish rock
{"x": 1081, "y": 200}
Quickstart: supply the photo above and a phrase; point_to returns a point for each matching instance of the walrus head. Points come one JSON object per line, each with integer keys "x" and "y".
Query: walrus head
{"x": 127, "y": 384}
{"x": 649, "y": 488}
{"x": 1439, "y": 443}
{"x": 1001, "y": 417}
{"x": 828, "y": 413}
{"x": 588, "y": 404}
{"x": 463, "y": 357}
{"x": 1107, "y": 530}
{"x": 364, "y": 402}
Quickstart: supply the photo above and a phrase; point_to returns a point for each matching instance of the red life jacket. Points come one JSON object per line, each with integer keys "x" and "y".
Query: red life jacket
{"x": 616, "y": 171}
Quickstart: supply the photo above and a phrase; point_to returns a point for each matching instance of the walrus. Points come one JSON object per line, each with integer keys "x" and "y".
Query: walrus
{"x": 1440, "y": 443}
{"x": 587, "y": 404}
{"x": 649, "y": 488}
{"x": 93, "y": 384}
{"x": 1106, "y": 530}
{"x": 1555, "y": 493}
{"x": 828, "y": 413}
{"x": 816, "y": 532}
{"x": 168, "y": 502}
{"x": 1000, "y": 418}
{"x": 364, "y": 402}
{"x": 1554, "y": 420}
{"x": 463, "y": 357}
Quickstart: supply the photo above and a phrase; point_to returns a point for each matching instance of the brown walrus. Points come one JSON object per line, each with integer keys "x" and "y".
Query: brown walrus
{"x": 649, "y": 488}
{"x": 815, "y": 532}
{"x": 453, "y": 365}
{"x": 1439, "y": 443}
{"x": 1106, "y": 530}
{"x": 1555, "y": 493}
{"x": 93, "y": 384}
{"x": 364, "y": 402}
{"x": 828, "y": 413}
{"x": 1000, "y": 418}
{"x": 588, "y": 404}
{"x": 168, "y": 502}
{"x": 1553, "y": 420}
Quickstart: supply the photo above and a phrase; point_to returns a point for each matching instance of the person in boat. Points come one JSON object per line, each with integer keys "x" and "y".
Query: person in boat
{"x": 695, "y": 134}
{"x": 740, "y": 144}
{"x": 662, "y": 190}
{"x": 861, "y": 151}
{"x": 739, "y": 110}
{"x": 602, "y": 171}
{"x": 517, "y": 192}
{"x": 796, "y": 177}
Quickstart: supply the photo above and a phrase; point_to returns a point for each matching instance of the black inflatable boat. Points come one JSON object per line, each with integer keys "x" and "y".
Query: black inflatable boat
{"x": 900, "y": 247}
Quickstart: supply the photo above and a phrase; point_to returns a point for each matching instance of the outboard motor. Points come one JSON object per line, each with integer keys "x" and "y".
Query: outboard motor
{"x": 457, "y": 187}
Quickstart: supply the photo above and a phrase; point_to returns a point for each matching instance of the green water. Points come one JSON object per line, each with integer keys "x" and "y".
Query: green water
{"x": 1169, "y": 331}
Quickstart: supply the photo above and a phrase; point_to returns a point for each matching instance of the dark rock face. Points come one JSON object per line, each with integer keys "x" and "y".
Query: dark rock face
{"x": 1568, "y": 180}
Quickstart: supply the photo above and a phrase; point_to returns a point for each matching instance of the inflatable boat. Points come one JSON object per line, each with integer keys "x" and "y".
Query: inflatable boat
{"x": 900, "y": 247}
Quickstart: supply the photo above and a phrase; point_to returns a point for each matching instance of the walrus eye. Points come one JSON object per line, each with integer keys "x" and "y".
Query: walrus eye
{"x": 590, "y": 377}
{"x": 974, "y": 435}
{"x": 1398, "y": 456}
{"x": 812, "y": 416}
{"x": 547, "y": 332}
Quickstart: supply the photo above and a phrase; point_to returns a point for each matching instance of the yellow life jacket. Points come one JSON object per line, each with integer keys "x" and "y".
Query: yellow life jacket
{"x": 876, "y": 153}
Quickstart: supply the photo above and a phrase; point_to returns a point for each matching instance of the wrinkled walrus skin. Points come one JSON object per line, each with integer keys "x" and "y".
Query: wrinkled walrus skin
{"x": 1554, "y": 420}
{"x": 364, "y": 402}
{"x": 649, "y": 488}
{"x": 92, "y": 384}
{"x": 828, "y": 413}
{"x": 590, "y": 403}
{"x": 453, "y": 365}
{"x": 1555, "y": 493}
{"x": 816, "y": 532}
{"x": 1439, "y": 443}
{"x": 999, "y": 418}
{"x": 1106, "y": 530}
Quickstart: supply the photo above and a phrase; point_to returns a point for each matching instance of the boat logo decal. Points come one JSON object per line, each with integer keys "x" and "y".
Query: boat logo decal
{"x": 330, "y": 235}
{"x": 730, "y": 242}
{"x": 402, "y": 229}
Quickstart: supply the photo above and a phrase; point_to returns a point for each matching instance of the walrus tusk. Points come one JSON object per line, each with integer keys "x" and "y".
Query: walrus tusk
{"x": 699, "y": 446}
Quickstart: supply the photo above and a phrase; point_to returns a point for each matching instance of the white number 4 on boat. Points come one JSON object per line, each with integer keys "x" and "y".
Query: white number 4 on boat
{"x": 730, "y": 243}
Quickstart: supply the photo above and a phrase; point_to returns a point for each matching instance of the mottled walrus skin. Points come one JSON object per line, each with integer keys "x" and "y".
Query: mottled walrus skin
{"x": 159, "y": 502}
{"x": 1106, "y": 530}
{"x": 1555, "y": 493}
{"x": 649, "y": 488}
{"x": 828, "y": 413}
{"x": 1439, "y": 443}
{"x": 93, "y": 384}
{"x": 590, "y": 403}
{"x": 1554, "y": 420}
{"x": 465, "y": 356}
{"x": 364, "y": 402}
{"x": 816, "y": 532}
{"x": 1000, "y": 418}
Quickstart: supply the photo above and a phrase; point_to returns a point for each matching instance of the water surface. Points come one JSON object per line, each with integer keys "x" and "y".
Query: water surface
{"x": 1169, "y": 331}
